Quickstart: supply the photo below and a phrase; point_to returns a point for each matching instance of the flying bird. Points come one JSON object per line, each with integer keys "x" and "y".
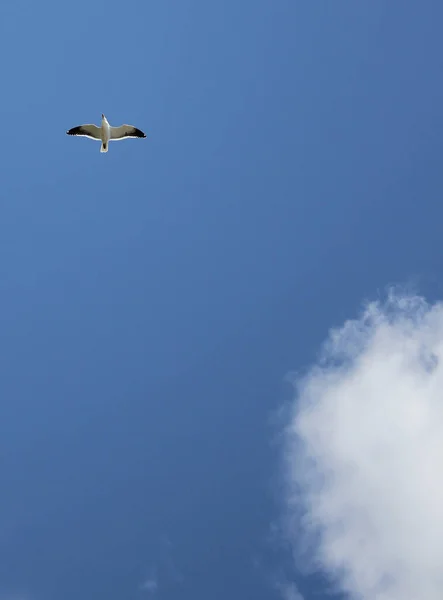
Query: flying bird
{"x": 106, "y": 133}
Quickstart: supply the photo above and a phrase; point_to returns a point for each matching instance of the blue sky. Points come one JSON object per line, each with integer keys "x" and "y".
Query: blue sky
{"x": 153, "y": 299}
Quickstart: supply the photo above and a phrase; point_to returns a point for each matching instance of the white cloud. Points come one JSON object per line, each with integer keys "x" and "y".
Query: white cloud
{"x": 163, "y": 571}
{"x": 364, "y": 452}
{"x": 150, "y": 585}
{"x": 289, "y": 591}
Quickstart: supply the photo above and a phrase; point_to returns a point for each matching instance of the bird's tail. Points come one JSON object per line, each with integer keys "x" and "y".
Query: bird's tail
{"x": 104, "y": 147}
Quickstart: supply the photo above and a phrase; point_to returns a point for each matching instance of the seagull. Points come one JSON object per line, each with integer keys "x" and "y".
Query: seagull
{"x": 106, "y": 133}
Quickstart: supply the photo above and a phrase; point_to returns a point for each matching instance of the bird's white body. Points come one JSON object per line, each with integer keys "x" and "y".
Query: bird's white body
{"x": 106, "y": 132}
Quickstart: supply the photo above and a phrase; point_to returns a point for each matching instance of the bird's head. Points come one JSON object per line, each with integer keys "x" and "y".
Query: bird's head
{"x": 103, "y": 117}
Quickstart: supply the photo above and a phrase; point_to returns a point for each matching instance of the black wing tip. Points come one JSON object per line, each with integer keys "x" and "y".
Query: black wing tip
{"x": 139, "y": 133}
{"x": 74, "y": 131}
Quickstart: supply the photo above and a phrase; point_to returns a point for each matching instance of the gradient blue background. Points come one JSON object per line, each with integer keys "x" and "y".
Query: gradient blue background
{"x": 154, "y": 298}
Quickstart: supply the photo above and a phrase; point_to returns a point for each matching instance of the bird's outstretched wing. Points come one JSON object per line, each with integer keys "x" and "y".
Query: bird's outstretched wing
{"x": 89, "y": 131}
{"x": 126, "y": 131}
